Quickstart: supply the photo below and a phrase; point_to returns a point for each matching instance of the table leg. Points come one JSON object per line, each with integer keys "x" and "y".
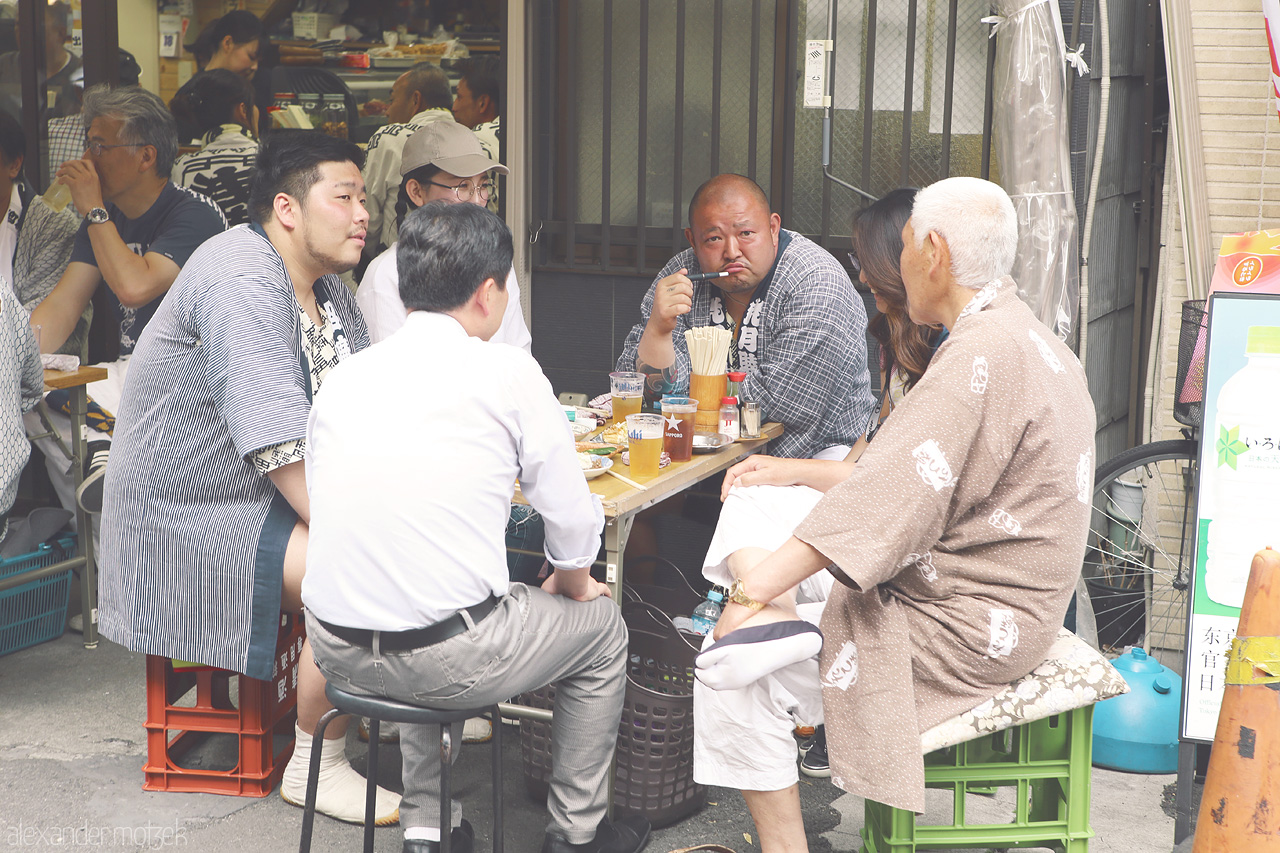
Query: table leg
{"x": 84, "y": 521}
{"x": 616, "y": 533}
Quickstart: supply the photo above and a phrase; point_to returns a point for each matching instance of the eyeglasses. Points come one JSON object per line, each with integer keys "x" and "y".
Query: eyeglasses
{"x": 855, "y": 266}
{"x": 465, "y": 190}
{"x": 96, "y": 148}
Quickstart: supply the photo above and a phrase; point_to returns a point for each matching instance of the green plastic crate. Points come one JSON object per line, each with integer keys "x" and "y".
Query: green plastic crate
{"x": 1049, "y": 763}
{"x": 35, "y": 612}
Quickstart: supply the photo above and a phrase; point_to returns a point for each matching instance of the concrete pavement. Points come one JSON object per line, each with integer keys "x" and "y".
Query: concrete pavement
{"x": 72, "y": 747}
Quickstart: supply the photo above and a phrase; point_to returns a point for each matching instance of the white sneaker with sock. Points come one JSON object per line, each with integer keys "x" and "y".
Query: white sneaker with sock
{"x": 341, "y": 790}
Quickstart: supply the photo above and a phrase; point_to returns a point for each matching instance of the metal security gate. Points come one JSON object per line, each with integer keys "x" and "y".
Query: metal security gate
{"x": 637, "y": 102}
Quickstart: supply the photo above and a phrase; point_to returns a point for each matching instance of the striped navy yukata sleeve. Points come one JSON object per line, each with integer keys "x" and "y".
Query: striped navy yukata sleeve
{"x": 810, "y": 369}
{"x": 193, "y": 536}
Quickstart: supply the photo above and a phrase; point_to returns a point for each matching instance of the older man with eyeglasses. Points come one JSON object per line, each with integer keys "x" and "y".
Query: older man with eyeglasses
{"x": 138, "y": 231}
{"x": 443, "y": 161}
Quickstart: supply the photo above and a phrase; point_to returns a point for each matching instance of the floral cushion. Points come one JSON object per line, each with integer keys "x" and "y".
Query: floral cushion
{"x": 1072, "y": 676}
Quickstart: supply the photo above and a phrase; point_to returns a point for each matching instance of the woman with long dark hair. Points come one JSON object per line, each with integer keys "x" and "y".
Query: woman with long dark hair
{"x": 905, "y": 348}
{"x": 231, "y": 42}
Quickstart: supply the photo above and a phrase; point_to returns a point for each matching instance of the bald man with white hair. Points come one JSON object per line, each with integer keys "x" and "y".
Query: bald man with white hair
{"x": 956, "y": 541}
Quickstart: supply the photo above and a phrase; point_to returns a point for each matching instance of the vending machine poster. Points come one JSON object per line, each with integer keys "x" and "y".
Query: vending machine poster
{"x": 1238, "y": 491}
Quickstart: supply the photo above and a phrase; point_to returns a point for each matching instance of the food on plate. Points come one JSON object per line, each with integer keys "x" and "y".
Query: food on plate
{"x": 596, "y": 448}
{"x": 615, "y": 434}
{"x": 587, "y": 461}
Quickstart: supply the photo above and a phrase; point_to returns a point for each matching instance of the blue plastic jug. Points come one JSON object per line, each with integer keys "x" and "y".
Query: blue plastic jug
{"x": 1138, "y": 731}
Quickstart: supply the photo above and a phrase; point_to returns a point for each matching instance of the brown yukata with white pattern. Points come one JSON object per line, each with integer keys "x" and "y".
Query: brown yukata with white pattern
{"x": 959, "y": 537}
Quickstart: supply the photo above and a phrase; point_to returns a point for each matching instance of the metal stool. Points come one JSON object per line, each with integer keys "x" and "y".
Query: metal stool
{"x": 378, "y": 708}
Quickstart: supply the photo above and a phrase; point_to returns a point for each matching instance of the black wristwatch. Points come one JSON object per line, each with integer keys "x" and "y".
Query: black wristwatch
{"x": 97, "y": 216}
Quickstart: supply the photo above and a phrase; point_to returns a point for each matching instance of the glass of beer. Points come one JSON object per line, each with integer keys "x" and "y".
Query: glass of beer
{"x": 644, "y": 435}
{"x": 627, "y": 390}
{"x": 678, "y": 417}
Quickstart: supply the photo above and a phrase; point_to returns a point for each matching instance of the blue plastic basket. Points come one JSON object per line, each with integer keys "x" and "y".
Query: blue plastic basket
{"x": 35, "y": 612}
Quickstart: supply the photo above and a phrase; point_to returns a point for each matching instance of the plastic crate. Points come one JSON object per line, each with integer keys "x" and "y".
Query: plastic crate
{"x": 1048, "y": 762}
{"x": 258, "y": 728}
{"x": 35, "y": 612}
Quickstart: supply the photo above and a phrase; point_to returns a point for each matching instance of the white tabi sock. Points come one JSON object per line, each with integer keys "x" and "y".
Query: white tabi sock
{"x": 340, "y": 792}
{"x": 751, "y": 653}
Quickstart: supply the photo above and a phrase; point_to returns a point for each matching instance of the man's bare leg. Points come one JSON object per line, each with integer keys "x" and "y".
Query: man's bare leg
{"x": 341, "y": 791}
{"x": 778, "y": 820}
{"x": 312, "y": 703}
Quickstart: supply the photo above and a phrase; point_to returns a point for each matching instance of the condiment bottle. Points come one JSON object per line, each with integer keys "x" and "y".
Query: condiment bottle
{"x": 733, "y": 387}
{"x": 750, "y": 420}
{"x": 729, "y": 417}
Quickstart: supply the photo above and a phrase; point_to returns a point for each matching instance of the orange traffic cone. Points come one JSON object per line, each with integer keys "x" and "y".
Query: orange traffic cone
{"x": 1240, "y": 809}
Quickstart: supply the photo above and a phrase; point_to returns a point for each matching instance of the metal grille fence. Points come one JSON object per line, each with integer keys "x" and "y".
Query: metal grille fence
{"x": 637, "y": 102}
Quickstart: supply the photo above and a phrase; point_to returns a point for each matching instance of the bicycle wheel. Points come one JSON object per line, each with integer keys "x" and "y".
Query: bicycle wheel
{"x": 1137, "y": 567}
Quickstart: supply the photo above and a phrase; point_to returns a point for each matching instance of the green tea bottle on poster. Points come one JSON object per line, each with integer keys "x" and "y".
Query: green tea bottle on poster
{"x": 1245, "y": 509}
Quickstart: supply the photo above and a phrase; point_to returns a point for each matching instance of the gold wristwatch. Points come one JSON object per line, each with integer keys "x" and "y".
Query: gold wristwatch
{"x": 739, "y": 596}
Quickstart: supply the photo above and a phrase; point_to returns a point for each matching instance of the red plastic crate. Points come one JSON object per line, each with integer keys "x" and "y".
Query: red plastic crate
{"x": 265, "y": 709}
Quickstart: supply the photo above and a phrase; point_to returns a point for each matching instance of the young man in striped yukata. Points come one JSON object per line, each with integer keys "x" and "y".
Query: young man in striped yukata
{"x": 205, "y": 522}
{"x": 138, "y": 231}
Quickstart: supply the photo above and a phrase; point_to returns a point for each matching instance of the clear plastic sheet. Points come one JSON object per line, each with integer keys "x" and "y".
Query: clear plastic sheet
{"x": 1030, "y": 135}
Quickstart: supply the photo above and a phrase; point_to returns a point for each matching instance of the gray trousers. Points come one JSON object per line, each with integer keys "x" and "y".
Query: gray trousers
{"x": 531, "y": 639}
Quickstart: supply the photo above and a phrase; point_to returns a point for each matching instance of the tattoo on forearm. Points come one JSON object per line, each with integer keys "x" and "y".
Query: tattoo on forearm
{"x": 659, "y": 381}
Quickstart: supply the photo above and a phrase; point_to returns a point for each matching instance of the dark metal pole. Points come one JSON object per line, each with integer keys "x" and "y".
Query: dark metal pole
{"x": 31, "y": 21}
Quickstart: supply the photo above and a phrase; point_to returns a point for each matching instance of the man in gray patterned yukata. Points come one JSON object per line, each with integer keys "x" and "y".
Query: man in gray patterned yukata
{"x": 798, "y": 325}
{"x": 957, "y": 539}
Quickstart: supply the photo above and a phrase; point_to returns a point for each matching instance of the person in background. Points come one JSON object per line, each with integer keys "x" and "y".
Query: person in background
{"x": 137, "y": 232}
{"x": 478, "y": 102}
{"x": 66, "y": 133}
{"x": 35, "y": 240}
{"x": 231, "y": 42}
{"x": 21, "y": 383}
{"x": 60, "y": 66}
{"x": 476, "y": 105}
{"x": 205, "y": 524}
{"x": 441, "y": 161}
{"x": 419, "y": 96}
{"x": 219, "y": 105}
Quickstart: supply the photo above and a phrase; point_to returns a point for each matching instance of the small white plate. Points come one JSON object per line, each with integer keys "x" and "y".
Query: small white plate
{"x": 605, "y": 464}
{"x": 705, "y": 442}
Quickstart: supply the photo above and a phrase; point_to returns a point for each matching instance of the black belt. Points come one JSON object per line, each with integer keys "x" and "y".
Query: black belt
{"x": 417, "y": 638}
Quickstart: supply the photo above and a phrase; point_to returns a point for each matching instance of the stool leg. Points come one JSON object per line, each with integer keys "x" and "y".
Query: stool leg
{"x": 313, "y": 780}
{"x": 371, "y": 784}
{"x": 496, "y": 745}
{"x": 446, "y": 810}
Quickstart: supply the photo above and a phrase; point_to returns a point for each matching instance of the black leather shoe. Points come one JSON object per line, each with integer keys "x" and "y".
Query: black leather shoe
{"x": 461, "y": 840}
{"x": 625, "y": 835}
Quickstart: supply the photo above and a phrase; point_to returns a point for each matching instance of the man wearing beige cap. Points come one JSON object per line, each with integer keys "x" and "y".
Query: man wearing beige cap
{"x": 442, "y": 161}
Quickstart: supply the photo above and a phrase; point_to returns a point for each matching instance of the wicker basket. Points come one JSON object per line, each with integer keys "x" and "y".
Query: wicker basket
{"x": 654, "y": 772}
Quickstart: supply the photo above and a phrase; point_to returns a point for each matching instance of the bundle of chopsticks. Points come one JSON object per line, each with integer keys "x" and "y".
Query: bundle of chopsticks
{"x": 709, "y": 349}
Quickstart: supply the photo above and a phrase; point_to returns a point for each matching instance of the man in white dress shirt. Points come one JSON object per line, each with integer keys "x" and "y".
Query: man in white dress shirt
{"x": 406, "y": 588}
{"x": 442, "y": 161}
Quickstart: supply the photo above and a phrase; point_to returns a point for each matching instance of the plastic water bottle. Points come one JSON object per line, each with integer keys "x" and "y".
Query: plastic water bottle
{"x": 707, "y": 613}
{"x": 1245, "y": 468}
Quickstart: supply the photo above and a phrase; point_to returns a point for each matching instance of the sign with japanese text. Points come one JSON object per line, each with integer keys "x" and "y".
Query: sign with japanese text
{"x": 1238, "y": 490}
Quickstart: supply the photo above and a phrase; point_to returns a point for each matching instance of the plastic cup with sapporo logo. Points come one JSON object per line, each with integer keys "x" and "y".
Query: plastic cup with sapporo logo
{"x": 627, "y": 390}
{"x": 678, "y": 415}
{"x": 644, "y": 435}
